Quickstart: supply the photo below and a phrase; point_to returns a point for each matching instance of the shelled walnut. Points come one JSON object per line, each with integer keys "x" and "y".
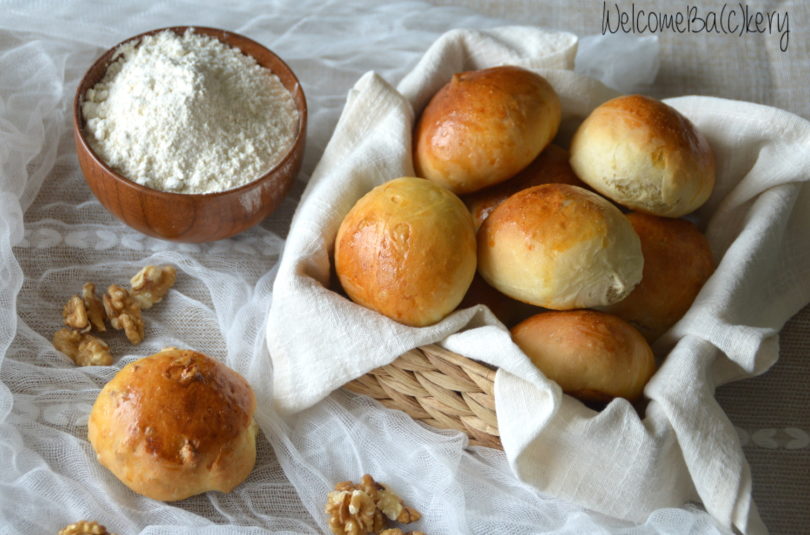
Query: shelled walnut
{"x": 84, "y": 527}
{"x": 94, "y": 307}
{"x": 124, "y": 313}
{"x": 75, "y": 314}
{"x": 84, "y": 349}
{"x": 359, "y": 509}
{"x": 151, "y": 284}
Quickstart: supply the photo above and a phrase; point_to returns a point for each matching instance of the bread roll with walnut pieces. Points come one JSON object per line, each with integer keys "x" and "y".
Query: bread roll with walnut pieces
{"x": 175, "y": 424}
{"x": 485, "y": 126}
{"x": 560, "y": 247}
{"x": 593, "y": 356}
{"x": 677, "y": 262}
{"x": 407, "y": 250}
{"x": 644, "y": 155}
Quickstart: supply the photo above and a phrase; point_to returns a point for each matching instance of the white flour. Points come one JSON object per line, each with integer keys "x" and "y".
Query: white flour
{"x": 189, "y": 114}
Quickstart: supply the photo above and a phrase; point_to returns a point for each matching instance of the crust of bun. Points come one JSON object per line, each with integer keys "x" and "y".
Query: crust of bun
{"x": 484, "y": 126}
{"x": 407, "y": 250}
{"x": 592, "y": 355}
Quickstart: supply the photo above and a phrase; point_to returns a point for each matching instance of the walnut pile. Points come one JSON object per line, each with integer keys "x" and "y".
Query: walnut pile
{"x": 84, "y": 527}
{"x": 360, "y": 509}
{"x": 121, "y": 306}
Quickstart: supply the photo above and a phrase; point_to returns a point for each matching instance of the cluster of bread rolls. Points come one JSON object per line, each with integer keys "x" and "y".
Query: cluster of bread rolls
{"x": 580, "y": 251}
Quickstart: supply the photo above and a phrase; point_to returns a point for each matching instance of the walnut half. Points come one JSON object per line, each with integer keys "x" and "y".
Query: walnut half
{"x": 124, "y": 313}
{"x": 75, "y": 314}
{"x": 94, "y": 307}
{"x": 151, "y": 284}
{"x": 84, "y": 349}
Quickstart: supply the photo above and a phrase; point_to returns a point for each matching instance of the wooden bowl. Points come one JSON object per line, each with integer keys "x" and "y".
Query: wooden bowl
{"x": 192, "y": 217}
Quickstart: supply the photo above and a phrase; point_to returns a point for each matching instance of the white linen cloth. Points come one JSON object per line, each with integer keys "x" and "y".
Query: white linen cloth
{"x": 684, "y": 448}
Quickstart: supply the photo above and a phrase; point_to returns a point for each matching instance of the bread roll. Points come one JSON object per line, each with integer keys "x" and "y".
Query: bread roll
{"x": 550, "y": 167}
{"x": 175, "y": 424}
{"x": 677, "y": 262}
{"x": 485, "y": 126}
{"x": 644, "y": 155}
{"x": 560, "y": 247}
{"x": 593, "y": 356}
{"x": 407, "y": 250}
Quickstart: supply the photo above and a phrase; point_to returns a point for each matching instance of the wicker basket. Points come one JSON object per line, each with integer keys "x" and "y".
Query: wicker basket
{"x": 441, "y": 389}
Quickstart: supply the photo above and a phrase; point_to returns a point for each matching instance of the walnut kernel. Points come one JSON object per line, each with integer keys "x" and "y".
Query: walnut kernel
{"x": 151, "y": 284}
{"x": 75, "y": 314}
{"x": 124, "y": 313}
{"x": 84, "y": 349}
{"x": 94, "y": 307}
{"x": 84, "y": 527}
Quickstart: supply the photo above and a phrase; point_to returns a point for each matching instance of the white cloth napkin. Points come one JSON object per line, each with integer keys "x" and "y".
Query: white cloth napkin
{"x": 683, "y": 448}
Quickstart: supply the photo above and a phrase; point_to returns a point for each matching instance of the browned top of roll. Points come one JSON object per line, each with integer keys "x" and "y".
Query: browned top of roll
{"x": 179, "y": 396}
{"x": 592, "y": 355}
{"x": 407, "y": 250}
{"x": 484, "y": 127}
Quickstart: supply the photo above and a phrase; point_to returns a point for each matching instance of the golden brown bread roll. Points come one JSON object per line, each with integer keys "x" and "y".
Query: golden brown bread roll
{"x": 550, "y": 167}
{"x": 175, "y": 424}
{"x": 677, "y": 262}
{"x": 644, "y": 155}
{"x": 560, "y": 247}
{"x": 592, "y": 355}
{"x": 485, "y": 126}
{"x": 407, "y": 250}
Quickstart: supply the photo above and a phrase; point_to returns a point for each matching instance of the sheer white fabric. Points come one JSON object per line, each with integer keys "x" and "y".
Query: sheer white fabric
{"x": 54, "y": 236}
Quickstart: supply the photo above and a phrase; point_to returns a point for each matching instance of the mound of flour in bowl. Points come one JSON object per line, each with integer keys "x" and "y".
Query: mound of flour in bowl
{"x": 188, "y": 114}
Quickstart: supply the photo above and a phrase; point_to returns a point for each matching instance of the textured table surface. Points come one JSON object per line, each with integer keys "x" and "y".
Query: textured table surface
{"x": 771, "y": 411}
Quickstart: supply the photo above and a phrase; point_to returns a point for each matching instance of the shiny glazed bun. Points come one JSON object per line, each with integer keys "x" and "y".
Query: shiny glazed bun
{"x": 560, "y": 247}
{"x": 550, "y": 167}
{"x": 407, "y": 250}
{"x": 175, "y": 424}
{"x": 644, "y": 155}
{"x": 593, "y": 356}
{"x": 485, "y": 126}
{"x": 677, "y": 262}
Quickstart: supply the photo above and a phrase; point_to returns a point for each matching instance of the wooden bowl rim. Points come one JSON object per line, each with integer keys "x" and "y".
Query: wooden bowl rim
{"x": 106, "y": 56}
